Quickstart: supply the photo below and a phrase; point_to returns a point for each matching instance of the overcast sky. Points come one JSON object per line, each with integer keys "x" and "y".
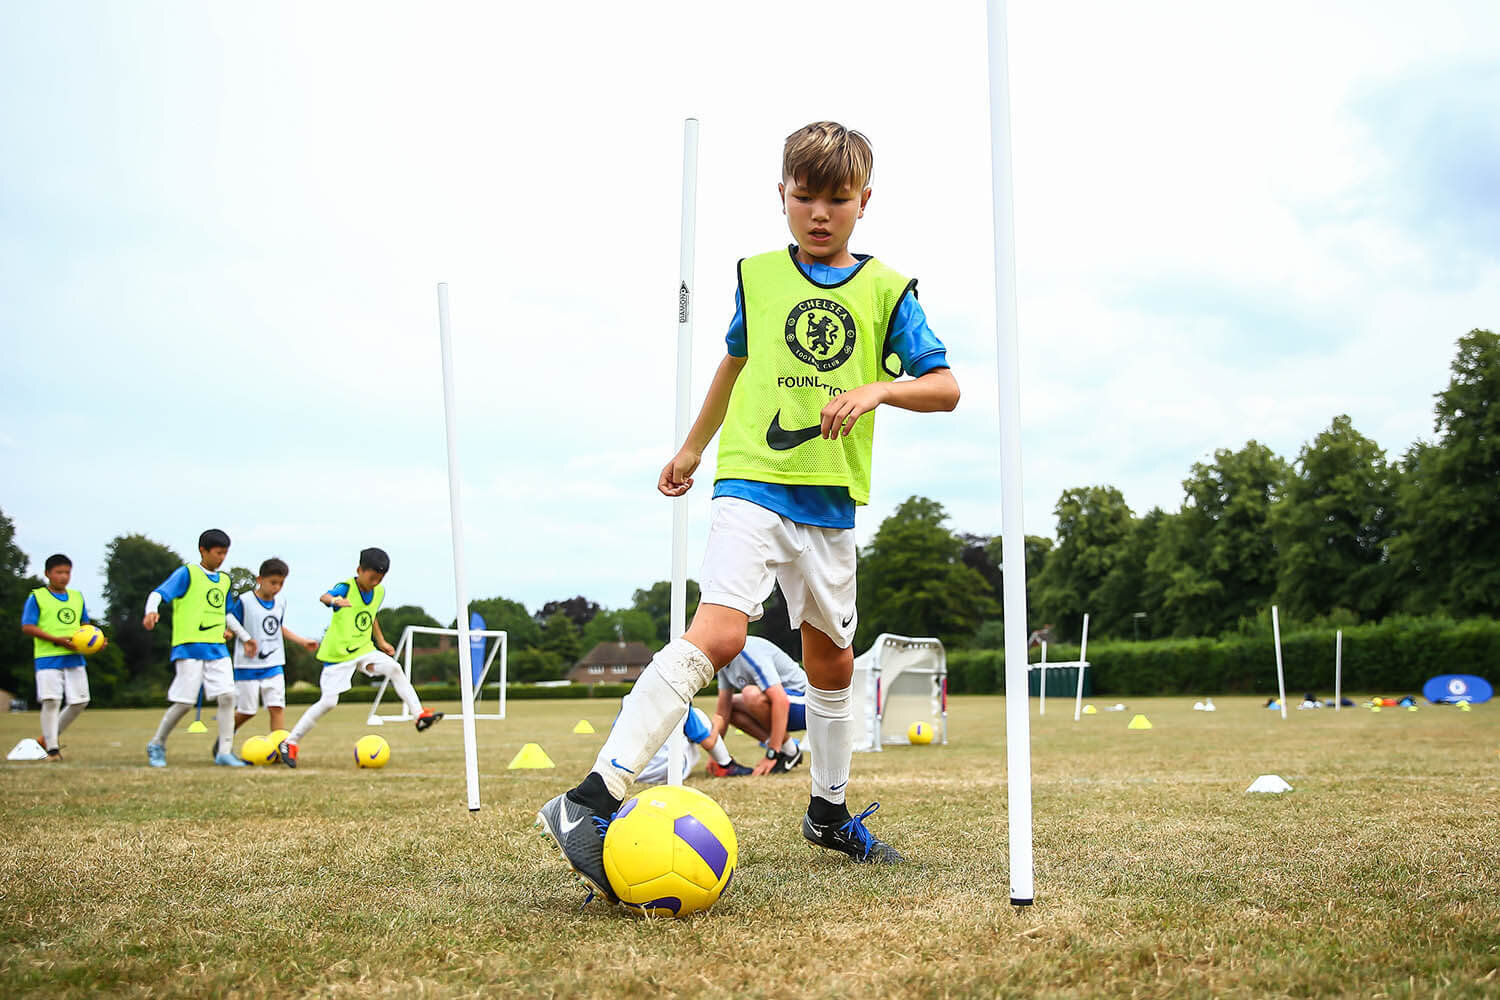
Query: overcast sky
{"x": 221, "y": 230}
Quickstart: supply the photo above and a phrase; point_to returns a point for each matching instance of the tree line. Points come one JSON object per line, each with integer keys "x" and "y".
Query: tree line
{"x": 1341, "y": 534}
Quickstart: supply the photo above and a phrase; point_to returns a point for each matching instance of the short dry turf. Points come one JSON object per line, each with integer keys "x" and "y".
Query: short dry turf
{"x": 1156, "y": 875}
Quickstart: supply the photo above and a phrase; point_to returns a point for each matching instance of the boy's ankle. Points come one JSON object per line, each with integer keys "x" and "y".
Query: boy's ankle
{"x": 592, "y": 793}
{"x": 824, "y": 812}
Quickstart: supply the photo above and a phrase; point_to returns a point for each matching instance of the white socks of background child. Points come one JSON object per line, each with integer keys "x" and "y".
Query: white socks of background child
{"x": 720, "y": 753}
{"x": 55, "y": 719}
{"x": 830, "y": 730}
{"x": 226, "y": 723}
{"x": 651, "y": 710}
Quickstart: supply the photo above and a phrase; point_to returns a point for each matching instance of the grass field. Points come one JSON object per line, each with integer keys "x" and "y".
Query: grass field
{"x": 1156, "y": 874}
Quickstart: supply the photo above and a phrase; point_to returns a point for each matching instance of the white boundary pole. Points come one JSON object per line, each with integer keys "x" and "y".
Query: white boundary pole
{"x": 677, "y": 742}
{"x": 1083, "y": 664}
{"x": 1338, "y": 670}
{"x": 1013, "y": 526}
{"x": 1280, "y": 676}
{"x": 456, "y": 523}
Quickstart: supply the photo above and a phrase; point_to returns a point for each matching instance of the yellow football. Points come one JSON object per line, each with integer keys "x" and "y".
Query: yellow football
{"x": 670, "y": 851}
{"x": 919, "y": 733}
{"x": 88, "y": 640}
{"x": 277, "y": 735}
{"x": 372, "y": 751}
{"x": 258, "y": 750}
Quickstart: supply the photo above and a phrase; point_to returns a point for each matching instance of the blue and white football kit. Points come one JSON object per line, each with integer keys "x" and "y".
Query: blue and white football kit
{"x": 764, "y": 664}
{"x": 259, "y": 677}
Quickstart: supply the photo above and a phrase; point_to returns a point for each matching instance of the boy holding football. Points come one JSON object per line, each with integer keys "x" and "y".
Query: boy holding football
{"x": 51, "y": 615}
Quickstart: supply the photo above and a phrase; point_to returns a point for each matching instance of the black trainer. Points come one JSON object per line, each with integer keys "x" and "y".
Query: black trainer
{"x": 427, "y": 718}
{"x": 785, "y": 762}
{"x": 578, "y": 832}
{"x": 850, "y": 837}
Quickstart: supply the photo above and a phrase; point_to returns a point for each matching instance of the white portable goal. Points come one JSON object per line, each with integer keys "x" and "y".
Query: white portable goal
{"x": 1082, "y": 663}
{"x": 495, "y": 651}
{"x": 897, "y": 681}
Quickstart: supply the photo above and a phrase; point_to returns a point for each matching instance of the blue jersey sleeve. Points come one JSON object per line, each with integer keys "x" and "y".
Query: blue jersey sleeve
{"x": 83, "y": 613}
{"x": 736, "y": 340}
{"x": 234, "y": 607}
{"x": 913, "y": 341}
{"x": 176, "y": 585}
{"x": 338, "y": 590}
{"x": 31, "y": 613}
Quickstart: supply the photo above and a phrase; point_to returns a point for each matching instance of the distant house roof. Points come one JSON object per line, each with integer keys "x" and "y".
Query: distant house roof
{"x": 611, "y": 654}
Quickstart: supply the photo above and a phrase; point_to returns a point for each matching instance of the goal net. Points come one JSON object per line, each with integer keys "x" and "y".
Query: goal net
{"x": 488, "y": 648}
{"x": 897, "y": 681}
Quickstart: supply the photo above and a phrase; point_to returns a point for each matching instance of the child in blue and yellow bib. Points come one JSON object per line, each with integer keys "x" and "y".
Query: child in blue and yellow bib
{"x": 200, "y": 596}
{"x": 820, "y": 339}
{"x": 51, "y": 615}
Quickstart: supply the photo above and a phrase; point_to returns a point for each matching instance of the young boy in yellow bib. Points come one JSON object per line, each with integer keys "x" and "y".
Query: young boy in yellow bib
{"x": 199, "y": 595}
{"x": 350, "y": 644}
{"x": 51, "y": 615}
{"x": 819, "y": 339}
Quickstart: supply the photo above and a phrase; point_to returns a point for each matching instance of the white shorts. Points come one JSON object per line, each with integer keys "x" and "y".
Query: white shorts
{"x": 750, "y": 549}
{"x": 248, "y": 695}
{"x": 339, "y": 677}
{"x": 216, "y": 677}
{"x": 52, "y": 685}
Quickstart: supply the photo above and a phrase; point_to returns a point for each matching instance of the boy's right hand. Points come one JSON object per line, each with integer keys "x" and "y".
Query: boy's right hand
{"x": 149, "y": 622}
{"x": 677, "y": 475}
{"x": 65, "y": 643}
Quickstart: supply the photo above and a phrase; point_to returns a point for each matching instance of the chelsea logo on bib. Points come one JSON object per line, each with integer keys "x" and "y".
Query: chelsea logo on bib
{"x": 820, "y": 332}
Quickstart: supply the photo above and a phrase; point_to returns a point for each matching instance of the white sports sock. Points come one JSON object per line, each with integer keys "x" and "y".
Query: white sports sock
{"x": 50, "y": 728}
{"x": 830, "y": 727}
{"x": 226, "y": 723}
{"x": 405, "y": 691}
{"x": 314, "y": 712}
{"x": 790, "y": 746}
{"x": 73, "y": 711}
{"x": 720, "y": 753}
{"x": 169, "y": 720}
{"x": 651, "y": 710}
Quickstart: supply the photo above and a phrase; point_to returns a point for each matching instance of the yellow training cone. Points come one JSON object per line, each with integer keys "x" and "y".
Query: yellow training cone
{"x": 1463, "y": 706}
{"x": 197, "y": 726}
{"x": 583, "y": 727}
{"x": 1139, "y": 722}
{"x": 531, "y": 755}
{"x": 1090, "y": 710}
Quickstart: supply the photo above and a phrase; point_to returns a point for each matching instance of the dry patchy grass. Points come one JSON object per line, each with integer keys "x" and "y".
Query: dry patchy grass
{"x": 1156, "y": 874}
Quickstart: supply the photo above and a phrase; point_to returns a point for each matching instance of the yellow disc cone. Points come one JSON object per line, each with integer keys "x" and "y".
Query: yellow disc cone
{"x": 197, "y": 726}
{"x": 583, "y": 727}
{"x": 1090, "y": 710}
{"x": 531, "y": 755}
{"x": 1139, "y": 722}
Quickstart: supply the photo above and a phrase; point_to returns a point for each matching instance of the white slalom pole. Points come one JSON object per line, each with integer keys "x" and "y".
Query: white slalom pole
{"x": 1338, "y": 670}
{"x": 1280, "y": 677}
{"x": 1042, "y": 686}
{"x": 456, "y": 524}
{"x": 1083, "y": 659}
{"x": 677, "y": 742}
{"x": 1013, "y": 525}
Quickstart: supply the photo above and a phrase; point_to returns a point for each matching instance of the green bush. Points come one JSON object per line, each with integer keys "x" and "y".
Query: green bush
{"x": 1395, "y": 656}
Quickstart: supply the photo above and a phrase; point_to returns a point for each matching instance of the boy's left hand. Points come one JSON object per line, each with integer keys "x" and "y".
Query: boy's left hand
{"x": 250, "y": 647}
{"x": 841, "y": 412}
{"x": 311, "y": 645}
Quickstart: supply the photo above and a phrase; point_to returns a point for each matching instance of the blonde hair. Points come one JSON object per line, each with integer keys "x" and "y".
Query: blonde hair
{"x": 826, "y": 156}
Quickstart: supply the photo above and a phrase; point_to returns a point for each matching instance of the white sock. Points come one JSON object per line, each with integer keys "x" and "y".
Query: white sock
{"x": 406, "y": 692}
{"x": 314, "y": 712}
{"x": 830, "y": 727}
{"x": 226, "y": 723}
{"x": 720, "y": 753}
{"x": 73, "y": 711}
{"x": 789, "y": 747}
{"x": 50, "y": 728}
{"x": 651, "y": 710}
{"x": 169, "y": 720}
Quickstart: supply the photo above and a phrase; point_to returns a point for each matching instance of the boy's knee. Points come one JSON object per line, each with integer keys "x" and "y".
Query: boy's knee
{"x": 752, "y": 698}
{"x": 51, "y": 702}
{"x": 327, "y": 701}
{"x": 720, "y": 649}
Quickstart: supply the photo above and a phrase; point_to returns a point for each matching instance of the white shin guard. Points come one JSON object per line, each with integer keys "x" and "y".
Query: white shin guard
{"x": 830, "y": 730}
{"x": 652, "y": 709}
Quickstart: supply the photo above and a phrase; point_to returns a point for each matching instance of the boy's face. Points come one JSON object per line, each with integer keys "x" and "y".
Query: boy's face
{"x": 213, "y": 558}
{"x": 367, "y": 578}
{"x": 58, "y": 578}
{"x": 269, "y": 586}
{"x": 822, "y": 221}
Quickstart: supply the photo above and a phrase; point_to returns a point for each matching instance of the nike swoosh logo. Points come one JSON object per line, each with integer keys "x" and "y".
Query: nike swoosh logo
{"x": 846, "y": 621}
{"x": 262, "y": 656}
{"x": 210, "y": 628}
{"x": 352, "y": 649}
{"x": 564, "y": 825}
{"x": 781, "y": 439}
{"x": 621, "y": 766}
{"x": 834, "y": 788}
